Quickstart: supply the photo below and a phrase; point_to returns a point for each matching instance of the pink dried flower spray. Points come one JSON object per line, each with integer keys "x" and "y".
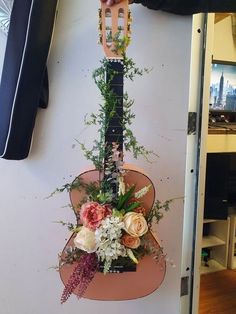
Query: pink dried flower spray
{"x": 81, "y": 277}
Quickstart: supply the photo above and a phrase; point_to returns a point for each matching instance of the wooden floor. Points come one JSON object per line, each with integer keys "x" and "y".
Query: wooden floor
{"x": 218, "y": 293}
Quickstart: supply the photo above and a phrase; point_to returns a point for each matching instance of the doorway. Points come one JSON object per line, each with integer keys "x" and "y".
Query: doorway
{"x": 214, "y": 260}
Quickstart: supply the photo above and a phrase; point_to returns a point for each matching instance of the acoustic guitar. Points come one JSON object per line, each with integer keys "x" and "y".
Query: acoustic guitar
{"x": 148, "y": 274}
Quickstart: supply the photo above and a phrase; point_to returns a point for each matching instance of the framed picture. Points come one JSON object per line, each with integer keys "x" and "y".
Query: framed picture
{"x": 223, "y": 86}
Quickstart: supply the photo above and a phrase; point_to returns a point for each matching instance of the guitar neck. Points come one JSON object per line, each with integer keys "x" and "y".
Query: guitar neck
{"x": 114, "y": 131}
{"x": 114, "y": 24}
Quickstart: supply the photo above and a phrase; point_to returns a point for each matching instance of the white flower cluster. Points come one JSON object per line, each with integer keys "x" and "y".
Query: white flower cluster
{"x": 108, "y": 240}
{"x": 142, "y": 192}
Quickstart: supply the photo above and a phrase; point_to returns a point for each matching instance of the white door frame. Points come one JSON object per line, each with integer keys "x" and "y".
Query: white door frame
{"x": 202, "y": 159}
{"x": 202, "y": 47}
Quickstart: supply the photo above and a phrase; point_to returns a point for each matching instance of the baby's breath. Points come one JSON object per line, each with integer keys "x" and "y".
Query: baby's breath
{"x": 108, "y": 238}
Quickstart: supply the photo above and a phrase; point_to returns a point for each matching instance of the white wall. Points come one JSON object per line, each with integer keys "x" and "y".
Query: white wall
{"x": 29, "y": 239}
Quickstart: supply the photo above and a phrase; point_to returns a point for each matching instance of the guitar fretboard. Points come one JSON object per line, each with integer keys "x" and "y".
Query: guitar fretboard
{"x": 114, "y": 131}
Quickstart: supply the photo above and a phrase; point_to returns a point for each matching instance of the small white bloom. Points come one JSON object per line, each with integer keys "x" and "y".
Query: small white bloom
{"x": 121, "y": 185}
{"x": 142, "y": 191}
{"x": 108, "y": 240}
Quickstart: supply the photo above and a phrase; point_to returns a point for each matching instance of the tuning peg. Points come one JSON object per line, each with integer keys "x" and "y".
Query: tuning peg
{"x": 100, "y": 13}
{"x": 100, "y": 26}
{"x": 129, "y": 27}
{"x": 100, "y": 39}
{"x": 108, "y": 13}
{"x": 130, "y": 18}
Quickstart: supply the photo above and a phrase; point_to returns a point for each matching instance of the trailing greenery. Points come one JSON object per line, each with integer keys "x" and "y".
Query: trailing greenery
{"x": 72, "y": 254}
{"x": 157, "y": 211}
{"x": 68, "y": 187}
{"x": 113, "y": 227}
{"x": 149, "y": 248}
{"x": 69, "y": 225}
{"x": 103, "y": 77}
{"x": 123, "y": 202}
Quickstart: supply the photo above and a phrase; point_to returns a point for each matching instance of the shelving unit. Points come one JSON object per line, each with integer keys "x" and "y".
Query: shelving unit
{"x": 232, "y": 243}
{"x": 222, "y": 142}
{"x": 217, "y": 241}
{"x": 210, "y": 241}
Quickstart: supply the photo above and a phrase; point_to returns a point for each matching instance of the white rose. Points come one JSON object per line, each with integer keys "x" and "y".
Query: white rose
{"x": 85, "y": 240}
{"x": 135, "y": 224}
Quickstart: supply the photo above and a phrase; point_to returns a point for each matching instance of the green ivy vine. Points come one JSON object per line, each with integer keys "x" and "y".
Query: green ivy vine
{"x": 107, "y": 110}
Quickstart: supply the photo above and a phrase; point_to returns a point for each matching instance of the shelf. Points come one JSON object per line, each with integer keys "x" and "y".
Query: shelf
{"x": 213, "y": 266}
{"x": 221, "y": 143}
{"x": 215, "y": 243}
{"x": 210, "y": 241}
{"x": 207, "y": 221}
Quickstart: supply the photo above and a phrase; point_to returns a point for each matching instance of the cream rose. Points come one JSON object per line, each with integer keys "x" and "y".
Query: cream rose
{"x": 135, "y": 224}
{"x": 85, "y": 240}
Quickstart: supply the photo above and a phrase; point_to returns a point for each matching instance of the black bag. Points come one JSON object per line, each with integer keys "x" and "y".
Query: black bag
{"x": 24, "y": 74}
{"x": 186, "y": 7}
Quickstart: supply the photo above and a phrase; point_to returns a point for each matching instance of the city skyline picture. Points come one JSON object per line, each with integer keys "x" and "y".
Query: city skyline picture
{"x": 223, "y": 87}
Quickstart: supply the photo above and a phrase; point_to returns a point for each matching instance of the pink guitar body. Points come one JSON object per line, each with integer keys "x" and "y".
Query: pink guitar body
{"x": 128, "y": 285}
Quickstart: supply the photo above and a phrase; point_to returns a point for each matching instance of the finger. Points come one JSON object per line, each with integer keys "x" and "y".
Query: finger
{"x": 112, "y": 2}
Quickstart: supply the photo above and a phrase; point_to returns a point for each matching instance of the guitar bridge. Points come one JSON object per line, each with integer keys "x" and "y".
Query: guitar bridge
{"x": 116, "y": 269}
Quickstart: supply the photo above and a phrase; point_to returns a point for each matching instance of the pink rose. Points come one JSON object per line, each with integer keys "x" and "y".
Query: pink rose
{"x": 92, "y": 213}
{"x": 130, "y": 242}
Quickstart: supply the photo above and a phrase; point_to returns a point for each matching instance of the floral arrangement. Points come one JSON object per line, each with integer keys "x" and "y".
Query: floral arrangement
{"x": 111, "y": 236}
{"x": 113, "y": 228}
{"x": 112, "y": 233}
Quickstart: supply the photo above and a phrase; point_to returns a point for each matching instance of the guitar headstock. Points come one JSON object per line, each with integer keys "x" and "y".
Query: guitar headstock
{"x": 114, "y": 27}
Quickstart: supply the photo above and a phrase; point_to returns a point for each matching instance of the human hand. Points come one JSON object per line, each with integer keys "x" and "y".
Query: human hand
{"x": 112, "y": 2}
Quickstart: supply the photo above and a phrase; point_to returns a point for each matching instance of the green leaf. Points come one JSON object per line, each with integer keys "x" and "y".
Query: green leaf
{"x": 77, "y": 229}
{"x": 131, "y": 256}
{"x": 132, "y": 206}
{"x": 105, "y": 197}
{"x": 118, "y": 213}
{"x": 123, "y": 198}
